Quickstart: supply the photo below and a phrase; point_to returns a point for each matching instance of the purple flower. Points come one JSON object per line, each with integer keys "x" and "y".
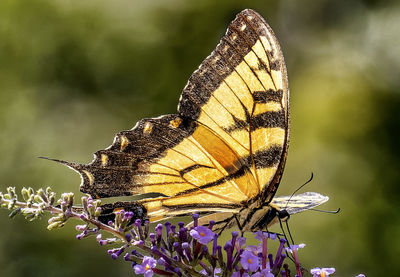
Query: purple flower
{"x": 195, "y": 219}
{"x": 237, "y": 274}
{"x": 146, "y": 267}
{"x": 239, "y": 242}
{"x": 263, "y": 273}
{"x": 259, "y": 235}
{"x": 360, "y": 275}
{"x": 202, "y": 234}
{"x": 229, "y": 254}
{"x": 249, "y": 261}
{"x": 216, "y": 271}
{"x": 322, "y": 272}
{"x": 295, "y": 247}
{"x": 255, "y": 249}
{"x": 215, "y": 245}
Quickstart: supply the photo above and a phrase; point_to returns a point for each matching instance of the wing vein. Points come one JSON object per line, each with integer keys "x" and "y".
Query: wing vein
{"x": 213, "y": 120}
{"x": 265, "y": 50}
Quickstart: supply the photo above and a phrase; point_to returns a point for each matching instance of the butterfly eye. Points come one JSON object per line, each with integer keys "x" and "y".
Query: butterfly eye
{"x": 283, "y": 215}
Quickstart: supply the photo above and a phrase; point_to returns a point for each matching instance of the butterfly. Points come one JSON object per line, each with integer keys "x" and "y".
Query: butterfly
{"x": 223, "y": 154}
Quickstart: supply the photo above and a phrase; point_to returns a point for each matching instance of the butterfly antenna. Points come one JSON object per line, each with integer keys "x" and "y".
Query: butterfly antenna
{"x": 299, "y": 188}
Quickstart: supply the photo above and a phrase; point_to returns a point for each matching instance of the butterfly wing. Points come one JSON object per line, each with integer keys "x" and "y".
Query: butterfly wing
{"x": 241, "y": 92}
{"x": 227, "y": 145}
{"x": 298, "y": 203}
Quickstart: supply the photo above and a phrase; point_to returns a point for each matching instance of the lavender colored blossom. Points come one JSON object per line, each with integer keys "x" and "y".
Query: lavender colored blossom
{"x": 239, "y": 242}
{"x": 263, "y": 273}
{"x": 322, "y": 272}
{"x": 249, "y": 261}
{"x": 179, "y": 251}
{"x": 255, "y": 249}
{"x": 202, "y": 234}
{"x": 195, "y": 219}
{"x": 146, "y": 267}
{"x": 259, "y": 235}
{"x": 216, "y": 271}
{"x": 295, "y": 247}
{"x": 229, "y": 254}
{"x": 237, "y": 274}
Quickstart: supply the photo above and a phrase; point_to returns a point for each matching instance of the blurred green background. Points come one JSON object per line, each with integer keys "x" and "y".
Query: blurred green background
{"x": 73, "y": 73}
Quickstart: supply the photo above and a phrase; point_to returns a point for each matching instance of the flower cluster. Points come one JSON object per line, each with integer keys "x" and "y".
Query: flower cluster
{"x": 195, "y": 251}
{"x": 34, "y": 205}
{"x": 168, "y": 251}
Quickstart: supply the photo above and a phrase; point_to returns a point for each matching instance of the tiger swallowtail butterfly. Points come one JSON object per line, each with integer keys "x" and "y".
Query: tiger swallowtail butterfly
{"x": 223, "y": 154}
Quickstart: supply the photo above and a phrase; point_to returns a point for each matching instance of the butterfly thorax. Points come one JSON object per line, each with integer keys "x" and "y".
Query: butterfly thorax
{"x": 256, "y": 216}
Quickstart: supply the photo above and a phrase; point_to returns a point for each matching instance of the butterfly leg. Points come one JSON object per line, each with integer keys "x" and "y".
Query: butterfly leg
{"x": 285, "y": 236}
{"x": 292, "y": 241}
{"x": 223, "y": 228}
{"x": 239, "y": 226}
{"x": 283, "y": 231}
{"x": 288, "y": 229}
{"x": 284, "y": 215}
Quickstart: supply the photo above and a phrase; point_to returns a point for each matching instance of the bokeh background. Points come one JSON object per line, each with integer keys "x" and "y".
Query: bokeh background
{"x": 74, "y": 73}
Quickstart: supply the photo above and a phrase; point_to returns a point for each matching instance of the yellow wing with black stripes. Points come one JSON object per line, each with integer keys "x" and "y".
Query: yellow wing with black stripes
{"x": 224, "y": 149}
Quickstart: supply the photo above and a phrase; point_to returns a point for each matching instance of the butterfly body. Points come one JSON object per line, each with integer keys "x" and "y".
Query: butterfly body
{"x": 223, "y": 154}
